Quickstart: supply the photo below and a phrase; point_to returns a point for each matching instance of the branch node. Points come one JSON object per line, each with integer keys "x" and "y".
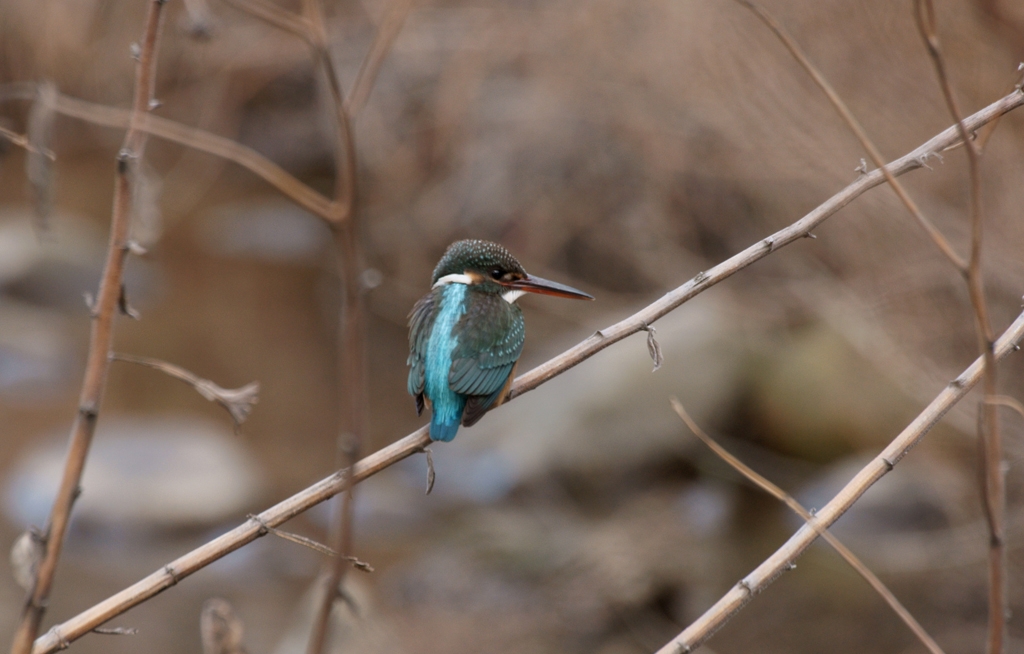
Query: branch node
{"x": 155, "y": 104}
{"x": 62, "y": 642}
{"x": 770, "y": 243}
{"x": 810, "y": 235}
{"x": 135, "y": 50}
{"x": 957, "y": 383}
{"x": 791, "y": 566}
{"x": 135, "y": 248}
{"x": 90, "y": 303}
{"x": 700, "y": 278}
{"x": 88, "y": 411}
{"x": 124, "y": 307}
{"x": 124, "y": 155}
{"x": 264, "y": 527}
{"x": 172, "y": 573}
{"x": 862, "y": 169}
{"x": 745, "y": 585}
{"x": 889, "y": 464}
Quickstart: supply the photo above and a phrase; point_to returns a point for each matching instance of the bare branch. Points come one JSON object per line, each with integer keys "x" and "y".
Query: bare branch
{"x": 198, "y": 139}
{"x": 237, "y": 401}
{"x": 382, "y": 42}
{"x": 22, "y": 141}
{"x": 1003, "y": 400}
{"x": 858, "y": 131}
{"x": 767, "y": 486}
{"x": 313, "y": 545}
{"x": 783, "y": 558}
{"x": 100, "y": 340}
{"x": 249, "y": 531}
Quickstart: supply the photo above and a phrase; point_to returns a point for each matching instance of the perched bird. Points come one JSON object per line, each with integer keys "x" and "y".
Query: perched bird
{"x": 467, "y": 333}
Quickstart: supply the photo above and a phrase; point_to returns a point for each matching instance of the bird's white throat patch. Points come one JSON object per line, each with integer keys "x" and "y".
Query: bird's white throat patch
{"x": 455, "y": 278}
{"x": 512, "y": 296}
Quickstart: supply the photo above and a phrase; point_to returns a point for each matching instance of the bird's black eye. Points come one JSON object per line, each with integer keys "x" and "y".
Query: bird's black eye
{"x": 496, "y": 273}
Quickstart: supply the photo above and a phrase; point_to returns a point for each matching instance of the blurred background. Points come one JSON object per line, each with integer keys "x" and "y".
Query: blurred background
{"x": 617, "y": 146}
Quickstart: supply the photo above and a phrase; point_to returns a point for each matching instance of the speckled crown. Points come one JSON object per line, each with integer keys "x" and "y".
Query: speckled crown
{"x": 472, "y": 254}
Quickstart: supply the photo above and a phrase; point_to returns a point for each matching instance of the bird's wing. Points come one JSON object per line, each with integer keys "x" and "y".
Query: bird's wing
{"x": 419, "y": 335}
{"x": 484, "y": 358}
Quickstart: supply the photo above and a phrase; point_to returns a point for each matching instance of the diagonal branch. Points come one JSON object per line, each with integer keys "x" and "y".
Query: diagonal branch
{"x": 770, "y": 570}
{"x": 767, "y": 486}
{"x": 252, "y": 529}
{"x": 101, "y": 338}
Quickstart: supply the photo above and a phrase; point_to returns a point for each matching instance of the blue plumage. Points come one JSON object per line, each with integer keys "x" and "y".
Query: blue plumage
{"x": 446, "y": 405}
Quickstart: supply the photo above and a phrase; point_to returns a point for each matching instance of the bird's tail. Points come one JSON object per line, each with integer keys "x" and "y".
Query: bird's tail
{"x": 443, "y": 431}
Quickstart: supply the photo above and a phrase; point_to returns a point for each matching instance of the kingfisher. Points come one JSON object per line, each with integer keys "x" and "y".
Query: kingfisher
{"x": 466, "y": 334}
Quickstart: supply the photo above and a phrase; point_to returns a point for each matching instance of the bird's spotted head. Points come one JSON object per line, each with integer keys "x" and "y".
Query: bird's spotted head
{"x": 488, "y": 267}
{"x": 478, "y": 263}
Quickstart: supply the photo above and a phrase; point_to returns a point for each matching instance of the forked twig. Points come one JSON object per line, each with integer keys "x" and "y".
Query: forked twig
{"x": 249, "y": 531}
{"x": 238, "y": 402}
{"x": 767, "y": 486}
{"x": 382, "y": 42}
{"x": 22, "y": 141}
{"x": 101, "y": 337}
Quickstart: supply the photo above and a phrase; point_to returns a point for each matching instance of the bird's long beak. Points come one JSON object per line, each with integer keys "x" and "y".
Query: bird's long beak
{"x": 532, "y": 284}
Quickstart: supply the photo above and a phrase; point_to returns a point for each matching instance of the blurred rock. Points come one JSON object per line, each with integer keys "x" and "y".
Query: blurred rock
{"x": 568, "y": 577}
{"x": 355, "y": 625}
{"x": 154, "y": 472}
{"x": 274, "y": 231}
{"x": 37, "y": 361}
{"x": 816, "y": 398}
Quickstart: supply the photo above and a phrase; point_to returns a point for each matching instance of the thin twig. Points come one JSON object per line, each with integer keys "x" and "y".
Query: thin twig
{"x": 382, "y": 42}
{"x": 312, "y": 544}
{"x": 116, "y": 631}
{"x": 993, "y": 482}
{"x": 858, "y": 131}
{"x": 764, "y": 484}
{"x": 238, "y": 402}
{"x": 101, "y": 337}
{"x": 21, "y": 141}
{"x": 304, "y": 500}
{"x": 1002, "y": 400}
{"x": 772, "y": 567}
